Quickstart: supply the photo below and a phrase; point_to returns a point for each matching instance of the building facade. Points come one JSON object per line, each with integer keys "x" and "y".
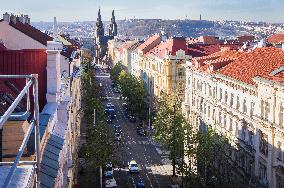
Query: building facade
{"x": 163, "y": 68}
{"x": 240, "y": 95}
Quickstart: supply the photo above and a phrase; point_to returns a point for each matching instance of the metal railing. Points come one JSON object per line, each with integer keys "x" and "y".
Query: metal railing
{"x": 31, "y": 80}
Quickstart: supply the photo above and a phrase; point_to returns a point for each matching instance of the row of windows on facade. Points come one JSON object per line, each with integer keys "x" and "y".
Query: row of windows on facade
{"x": 245, "y": 160}
{"x": 244, "y": 134}
{"x": 265, "y": 106}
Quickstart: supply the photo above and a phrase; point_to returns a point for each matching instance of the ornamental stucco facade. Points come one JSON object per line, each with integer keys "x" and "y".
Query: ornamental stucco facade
{"x": 251, "y": 116}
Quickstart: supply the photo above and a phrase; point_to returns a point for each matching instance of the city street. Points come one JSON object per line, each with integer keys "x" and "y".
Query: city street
{"x": 155, "y": 168}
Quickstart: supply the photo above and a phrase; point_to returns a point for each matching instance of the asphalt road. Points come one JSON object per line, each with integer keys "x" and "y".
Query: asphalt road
{"x": 155, "y": 169}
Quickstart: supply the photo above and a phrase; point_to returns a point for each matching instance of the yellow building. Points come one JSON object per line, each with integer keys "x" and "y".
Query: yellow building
{"x": 163, "y": 68}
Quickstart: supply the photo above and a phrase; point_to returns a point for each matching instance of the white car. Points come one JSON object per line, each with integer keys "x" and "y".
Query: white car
{"x": 133, "y": 166}
{"x": 111, "y": 183}
{"x": 117, "y": 136}
{"x": 109, "y": 170}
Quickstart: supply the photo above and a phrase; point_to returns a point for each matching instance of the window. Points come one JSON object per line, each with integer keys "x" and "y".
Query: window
{"x": 214, "y": 92}
{"x": 279, "y": 151}
{"x": 226, "y": 97}
{"x": 220, "y": 117}
{"x": 245, "y": 106}
{"x": 252, "y": 108}
{"x": 210, "y": 91}
{"x": 180, "y": 72}
{"x": 266, "y": 110}
{"x": 238, "y": 103}
{"x": 213, "y": 114}
{"x": 250, "y": 141}
{"x": 263, "y": 144}
{"x": 262, "y": 171}
{"x": 243, "y": 136}
{"x": 281, "y": 115}
{"x": 209, "y": 113}
{"x": 237, "y": 129}
{"x": 232, "y": 99}
{"x": 231, "y": 125}
{"x": 220, "y": 94}
{"x": 225, "y": 121}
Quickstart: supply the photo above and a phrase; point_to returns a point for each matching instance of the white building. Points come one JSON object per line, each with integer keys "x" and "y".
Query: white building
{"x": 241, "y": 96}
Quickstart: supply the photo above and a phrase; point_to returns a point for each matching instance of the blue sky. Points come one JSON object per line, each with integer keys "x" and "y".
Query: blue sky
{"x": 81, "y": 10}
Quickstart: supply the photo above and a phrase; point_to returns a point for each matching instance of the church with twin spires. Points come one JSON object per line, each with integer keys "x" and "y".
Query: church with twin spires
{"x": 101, "y": 40}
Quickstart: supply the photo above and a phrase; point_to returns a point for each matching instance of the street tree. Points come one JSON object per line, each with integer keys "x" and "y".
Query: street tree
{"x": 134, "y": 91}
{"x": 100, "y": 146}
{"x": 169, "y": 127}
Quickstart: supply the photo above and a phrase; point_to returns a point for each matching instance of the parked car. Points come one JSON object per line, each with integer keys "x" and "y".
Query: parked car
{"x": 115, "y": 90}
{"x": 109, "y": 120}
{"x": 108, "y": 170}
{"x": 117, "y": 128}
{"x": 110, "y": 106}
{"x": 111, "y": 183}
{"x": 132, "y": 118}
{"x": 133, "y": 166}
{"x": 117, "y": 136}
{"x": 140, "y": 184}
{"x": 124, "y": 105}
{"x": 141, "y": 131}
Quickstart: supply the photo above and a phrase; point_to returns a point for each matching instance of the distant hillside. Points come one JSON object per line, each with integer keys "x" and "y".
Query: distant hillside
{"x": 189, "y": 28}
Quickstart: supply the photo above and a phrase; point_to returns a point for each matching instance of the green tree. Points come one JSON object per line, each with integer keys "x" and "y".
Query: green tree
{"x": 133, "y": 89}
{"x": 115, "y": 71}
{"x": 100, "y": 147}
{"x": 169, "y": 128}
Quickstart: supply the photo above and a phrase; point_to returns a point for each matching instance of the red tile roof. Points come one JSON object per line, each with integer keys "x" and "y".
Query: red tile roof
{"x": 245, "y": 38}
{"x": 259, "y": 62}
{"x": 171, "y": 46}
{"x": 199, "y": 50}
{"x": 148, "y": 42}
{"x": 215, "y": 61}
{"x": 276, "y": 38}
{"x": 209, "y": 40}
{"x": 31, "y": 31}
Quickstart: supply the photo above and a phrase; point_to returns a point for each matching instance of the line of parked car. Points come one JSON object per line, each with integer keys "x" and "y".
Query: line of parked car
{"x": 133, "y": 167}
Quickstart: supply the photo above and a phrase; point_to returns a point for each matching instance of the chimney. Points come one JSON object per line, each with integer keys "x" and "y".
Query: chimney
{"x": 53, "y": 71}
{"x": 22, "y": 19}
{"x": 27, "y": 19}
{"x": 6, "y": 17}
{"x": 13, "y": 18}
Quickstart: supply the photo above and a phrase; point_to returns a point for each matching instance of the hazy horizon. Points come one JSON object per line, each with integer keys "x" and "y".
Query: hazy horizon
{"x": 86, "y": 10}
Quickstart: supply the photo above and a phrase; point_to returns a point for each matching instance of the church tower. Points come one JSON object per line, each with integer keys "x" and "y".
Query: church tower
{"x": 113, "y": 26}
{"x": 99, "y": 26}
{"x": 99, "y": 35}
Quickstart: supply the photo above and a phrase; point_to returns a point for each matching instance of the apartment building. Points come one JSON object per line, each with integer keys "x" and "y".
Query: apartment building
{"x": 163, "y": 67}
{"x": 240, "y": 95}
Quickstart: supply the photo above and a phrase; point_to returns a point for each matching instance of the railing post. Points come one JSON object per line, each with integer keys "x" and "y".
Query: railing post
{"x": 37, "y": 131}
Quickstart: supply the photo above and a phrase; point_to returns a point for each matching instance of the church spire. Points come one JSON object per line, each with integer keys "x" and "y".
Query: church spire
{"x": 113, "y": 25}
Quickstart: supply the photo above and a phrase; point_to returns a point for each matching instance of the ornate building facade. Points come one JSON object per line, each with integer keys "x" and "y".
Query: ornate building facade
{"x": 101, "y": 40}
{"x": 240, "y": 95}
